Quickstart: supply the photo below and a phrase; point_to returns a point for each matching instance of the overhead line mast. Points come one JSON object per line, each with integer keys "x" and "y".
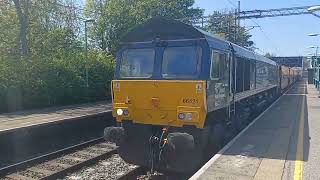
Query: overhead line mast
{"x": 255, "y": 14}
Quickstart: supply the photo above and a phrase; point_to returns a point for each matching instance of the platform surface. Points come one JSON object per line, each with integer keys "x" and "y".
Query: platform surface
{"x": 282, "y": 143}
{"x": 22, "y": 119}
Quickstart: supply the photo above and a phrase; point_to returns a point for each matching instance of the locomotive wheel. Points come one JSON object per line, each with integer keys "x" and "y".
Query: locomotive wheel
{"x": 239, "y": 123}
{"x": 215, "y": 140}
{"x": 230, "y": 133}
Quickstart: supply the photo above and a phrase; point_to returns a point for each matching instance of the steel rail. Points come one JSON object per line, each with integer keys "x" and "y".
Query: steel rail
{"x": 12, "y": 169}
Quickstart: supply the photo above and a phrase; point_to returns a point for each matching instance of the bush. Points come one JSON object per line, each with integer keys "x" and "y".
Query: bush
{"x": 54, "y": 81}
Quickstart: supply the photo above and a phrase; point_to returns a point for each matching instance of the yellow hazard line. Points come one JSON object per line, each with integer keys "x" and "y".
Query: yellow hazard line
{"x": 298, "y": 168}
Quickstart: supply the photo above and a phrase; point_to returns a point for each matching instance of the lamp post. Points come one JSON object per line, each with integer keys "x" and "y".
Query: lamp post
{"x": 315, "y": 47}
{"x": 313, "y": 34}
{"x": 86, "y": 49}
{"x": 315, "y": 67}
{"x": 315, "y": 55}
{"x": 314, "y": 8}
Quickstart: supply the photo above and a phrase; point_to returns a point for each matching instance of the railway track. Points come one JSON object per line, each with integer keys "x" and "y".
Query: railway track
{"x": 141, "y": 173}
{"x": 58, "y": 164}
{"x": 133, "y": 174}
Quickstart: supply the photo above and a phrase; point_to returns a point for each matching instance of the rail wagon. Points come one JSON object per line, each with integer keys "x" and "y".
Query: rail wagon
{"x": 179, "y": 93}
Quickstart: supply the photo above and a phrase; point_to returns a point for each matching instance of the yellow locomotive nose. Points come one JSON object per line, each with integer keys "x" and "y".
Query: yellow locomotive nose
{"x": 161, "y": 102}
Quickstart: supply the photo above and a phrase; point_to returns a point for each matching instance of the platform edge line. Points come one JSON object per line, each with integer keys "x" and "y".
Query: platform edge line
{"x": 298, "y": 168}
{"x": 55, "y": 120}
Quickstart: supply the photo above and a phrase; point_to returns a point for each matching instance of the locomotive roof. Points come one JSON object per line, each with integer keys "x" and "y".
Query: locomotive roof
{"x": 168, "y": 29}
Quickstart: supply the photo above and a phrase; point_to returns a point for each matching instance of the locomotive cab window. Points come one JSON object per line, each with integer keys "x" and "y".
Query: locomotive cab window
{"x": 137, "y": 63}
{"x": 181, "y": 62}
{"x": 218, "y": 65}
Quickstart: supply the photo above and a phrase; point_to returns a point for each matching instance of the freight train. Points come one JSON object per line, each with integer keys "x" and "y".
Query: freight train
{"x": 179, "y": 93}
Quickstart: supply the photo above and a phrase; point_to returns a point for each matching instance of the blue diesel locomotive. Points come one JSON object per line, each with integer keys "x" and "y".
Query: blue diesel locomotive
{"x": 179, "y": 93}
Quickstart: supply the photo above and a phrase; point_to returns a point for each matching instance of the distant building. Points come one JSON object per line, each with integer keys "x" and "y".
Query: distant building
{"x": 292, "y": 61}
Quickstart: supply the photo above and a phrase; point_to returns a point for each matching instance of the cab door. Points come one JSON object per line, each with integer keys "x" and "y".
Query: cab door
{"x": 232, "y": 84}
{"x": 219, "y": 80}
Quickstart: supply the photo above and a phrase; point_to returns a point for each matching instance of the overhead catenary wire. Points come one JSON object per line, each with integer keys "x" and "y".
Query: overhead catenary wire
{"x": 260, "y": 28}
{"x": 266, "y": 36}
{"x": 230, "y": 2}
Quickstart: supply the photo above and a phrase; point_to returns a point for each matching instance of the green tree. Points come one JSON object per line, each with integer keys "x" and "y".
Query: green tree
{"x": 221, "y": 23}
{"x": 58, "y": 43}
{"x": 116, "y": 17}
{"x": 97, "y": 9}
{"x": 22, "y": 9}
{"x": 54, "y": 38}
{"x": 9, "y": 29}
{"x": 269, "y": 55}
{"x": 54, "y": 21}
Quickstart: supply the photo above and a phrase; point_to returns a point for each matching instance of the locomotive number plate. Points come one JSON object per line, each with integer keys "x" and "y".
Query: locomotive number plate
{"x": 190, "y": 101}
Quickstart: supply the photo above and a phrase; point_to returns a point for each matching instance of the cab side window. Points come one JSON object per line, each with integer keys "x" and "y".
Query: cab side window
{"x": 218, "y": 64}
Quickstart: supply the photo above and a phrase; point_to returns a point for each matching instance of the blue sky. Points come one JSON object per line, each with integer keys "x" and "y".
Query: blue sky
{"x": 283, "y": 36}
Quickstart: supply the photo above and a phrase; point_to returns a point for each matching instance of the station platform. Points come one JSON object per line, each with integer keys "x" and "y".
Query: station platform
{"x": 28, "y": 134}
{"x": 282, "y": 143}
{"x": 16, "y": 120}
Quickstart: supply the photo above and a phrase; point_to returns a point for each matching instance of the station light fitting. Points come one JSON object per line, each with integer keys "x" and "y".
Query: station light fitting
{"x": 89, "y": 20}
{"x": 313, "y": 34}
{"x": 314, "y": 8}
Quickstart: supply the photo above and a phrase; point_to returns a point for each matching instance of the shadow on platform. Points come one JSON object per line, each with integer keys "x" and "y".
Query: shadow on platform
{"x": 275, "y": 135}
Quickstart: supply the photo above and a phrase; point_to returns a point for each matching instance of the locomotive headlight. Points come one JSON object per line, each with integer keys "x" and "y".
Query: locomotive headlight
{"x": 119, "y": 112}
{"x": 189, "y": 116}
{"x": 125, "y": 112}
{"x": 181, "y": 116}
